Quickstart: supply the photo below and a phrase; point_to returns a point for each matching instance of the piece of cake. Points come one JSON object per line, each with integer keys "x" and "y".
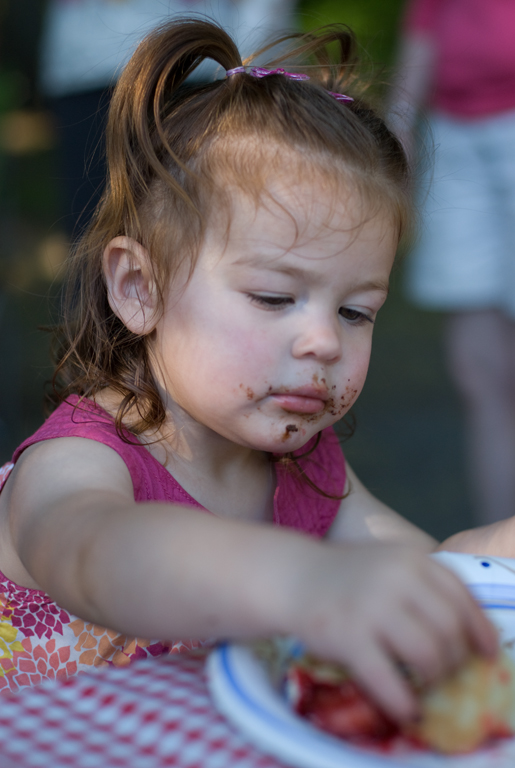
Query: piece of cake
{"x": 474, "y": 705}
{"x": 459, "y": 714}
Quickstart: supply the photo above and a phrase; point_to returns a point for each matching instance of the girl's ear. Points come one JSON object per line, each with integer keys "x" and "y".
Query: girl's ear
{"x": 131, "y": 289}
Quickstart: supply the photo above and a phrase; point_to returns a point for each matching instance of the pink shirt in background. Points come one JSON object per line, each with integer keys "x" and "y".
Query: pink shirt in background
{"x": 475, "y": 53}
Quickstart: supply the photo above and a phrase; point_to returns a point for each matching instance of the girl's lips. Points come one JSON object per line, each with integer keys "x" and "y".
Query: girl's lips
{"x": 296, "y": 403}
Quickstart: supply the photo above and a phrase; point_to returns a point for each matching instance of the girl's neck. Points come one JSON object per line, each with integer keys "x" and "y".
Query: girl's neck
{"x": 228, "y": 479}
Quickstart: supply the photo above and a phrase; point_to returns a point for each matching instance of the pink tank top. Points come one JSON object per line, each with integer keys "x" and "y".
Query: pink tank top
{"x": 39, "y": 640}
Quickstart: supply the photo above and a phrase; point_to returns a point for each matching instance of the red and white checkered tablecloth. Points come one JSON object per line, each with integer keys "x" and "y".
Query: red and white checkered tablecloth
{"x": 155, "y": 713}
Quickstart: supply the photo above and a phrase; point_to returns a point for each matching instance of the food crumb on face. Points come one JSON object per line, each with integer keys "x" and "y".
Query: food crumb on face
{"x": 248, "y": 391}
{"x": 289, "y": 429}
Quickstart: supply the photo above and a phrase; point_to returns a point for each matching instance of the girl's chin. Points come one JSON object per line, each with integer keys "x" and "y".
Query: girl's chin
{"x": 292, "y": 438}
{"x": 290, "y": 435}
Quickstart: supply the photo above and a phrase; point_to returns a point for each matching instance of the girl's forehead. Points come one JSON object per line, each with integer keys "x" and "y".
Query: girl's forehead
{"x": 294, "y": 228}
{"x": 289, "y": 211}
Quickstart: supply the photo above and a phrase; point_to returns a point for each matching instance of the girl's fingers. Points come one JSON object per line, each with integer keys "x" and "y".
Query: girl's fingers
{"x": 433, "y": 629}
{"x": 378, "y": 675}
{"x": 441, "y": 619}
{"x": 480, "y": 632}
{"x": 440, "y": 625}
{"x": 412, "y": 640}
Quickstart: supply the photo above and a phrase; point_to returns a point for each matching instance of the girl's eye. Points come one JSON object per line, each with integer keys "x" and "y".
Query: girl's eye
{"x": 354, "y": 316}
{"x": 270, "y": 302}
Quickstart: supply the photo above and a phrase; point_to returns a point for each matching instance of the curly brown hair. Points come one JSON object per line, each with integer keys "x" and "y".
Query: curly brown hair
{"x": 172, "y": 148}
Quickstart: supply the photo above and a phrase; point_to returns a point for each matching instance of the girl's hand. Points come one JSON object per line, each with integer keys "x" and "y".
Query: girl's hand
{"x": 377, "y": 607}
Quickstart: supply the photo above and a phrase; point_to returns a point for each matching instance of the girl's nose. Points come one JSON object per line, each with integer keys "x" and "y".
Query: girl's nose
{"x": 319, "y": 338}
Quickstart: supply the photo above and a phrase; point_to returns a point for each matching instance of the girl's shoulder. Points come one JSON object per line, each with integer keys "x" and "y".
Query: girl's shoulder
{"x": 75, "y": 417}
{"x": 81, "y": 417}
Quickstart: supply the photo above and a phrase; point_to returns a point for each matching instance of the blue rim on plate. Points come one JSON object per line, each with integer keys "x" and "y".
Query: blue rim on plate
{"x": 493, "y": 596}
{"x": 242, "y": 692}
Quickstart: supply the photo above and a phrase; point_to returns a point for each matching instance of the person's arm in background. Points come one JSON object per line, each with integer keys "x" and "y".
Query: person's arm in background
{"x": 410, "y": 87}
{"x": 413, "y": 71}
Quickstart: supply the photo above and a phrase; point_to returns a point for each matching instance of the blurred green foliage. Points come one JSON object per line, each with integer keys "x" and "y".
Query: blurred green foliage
{"x": 20, "y": 30}
{"x": 374, "y": 22}
{"x": 12, "y": 89}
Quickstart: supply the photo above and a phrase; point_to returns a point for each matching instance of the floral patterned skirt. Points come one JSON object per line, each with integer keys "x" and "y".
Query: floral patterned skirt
{"x": 39, "y": 640}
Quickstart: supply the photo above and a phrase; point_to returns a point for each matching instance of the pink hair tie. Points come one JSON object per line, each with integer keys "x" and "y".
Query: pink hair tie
{"x": 263, "y": 72}
{"x": 340, "y": 96}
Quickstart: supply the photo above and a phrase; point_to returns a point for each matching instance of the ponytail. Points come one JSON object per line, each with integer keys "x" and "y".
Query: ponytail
{"x": 146, "y": 95}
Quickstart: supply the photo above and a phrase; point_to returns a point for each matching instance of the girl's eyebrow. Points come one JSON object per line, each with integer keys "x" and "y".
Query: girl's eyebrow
{"x": 306, "y": 274}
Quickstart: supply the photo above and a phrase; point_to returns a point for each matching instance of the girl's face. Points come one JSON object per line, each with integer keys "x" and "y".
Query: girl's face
{"x": 269, "y": 341}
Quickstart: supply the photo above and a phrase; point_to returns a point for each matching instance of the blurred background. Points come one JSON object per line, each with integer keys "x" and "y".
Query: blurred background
{"x": 408, "y": 446}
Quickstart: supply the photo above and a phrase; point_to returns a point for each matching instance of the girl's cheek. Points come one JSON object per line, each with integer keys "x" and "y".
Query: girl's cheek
{"x": 350, "y": 396}
{"x": 352, "y": 389}
{"x": 338, "y": 405}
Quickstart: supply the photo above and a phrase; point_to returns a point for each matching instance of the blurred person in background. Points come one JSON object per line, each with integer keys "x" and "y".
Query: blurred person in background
{"x": 457, "y": 61}
{"x": 86, "y": 43}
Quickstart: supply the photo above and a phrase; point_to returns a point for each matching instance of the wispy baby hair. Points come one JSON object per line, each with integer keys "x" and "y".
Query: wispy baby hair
{"x": 173, "y": 149}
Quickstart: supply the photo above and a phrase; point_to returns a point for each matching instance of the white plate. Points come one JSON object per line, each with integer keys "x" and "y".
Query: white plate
{"x": 242, "y": 691}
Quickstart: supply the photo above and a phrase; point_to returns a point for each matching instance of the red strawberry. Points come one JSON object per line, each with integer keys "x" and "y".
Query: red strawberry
{"x": 341, "y": 709}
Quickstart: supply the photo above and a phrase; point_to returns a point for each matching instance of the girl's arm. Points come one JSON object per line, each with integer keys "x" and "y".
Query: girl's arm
{"x": 70, "y": 524}
{"x": 497, "y": 539}
{"x": 361, "y": 516}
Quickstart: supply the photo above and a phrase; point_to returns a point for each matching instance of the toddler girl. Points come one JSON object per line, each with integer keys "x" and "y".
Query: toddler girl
{"x": 219, "y": 322}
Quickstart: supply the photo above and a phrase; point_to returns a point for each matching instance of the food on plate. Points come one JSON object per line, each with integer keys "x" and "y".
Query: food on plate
{"x": 459, "y": 714}
{"x": 331, "y": 700}
{"x": 474, "y": 705}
